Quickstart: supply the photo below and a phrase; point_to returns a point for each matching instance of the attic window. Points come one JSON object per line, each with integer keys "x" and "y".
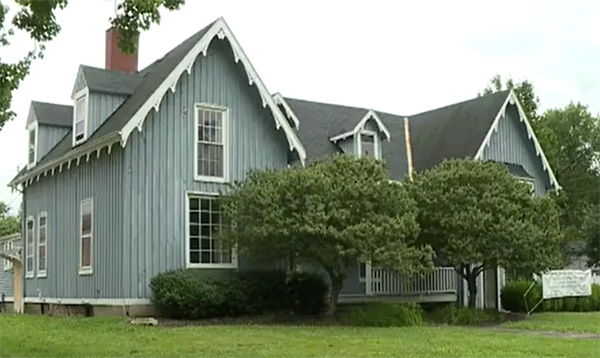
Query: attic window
{"x": 31, "y": 150}
{"x": 80, "y": 121}
{"x": 368, "y": 145}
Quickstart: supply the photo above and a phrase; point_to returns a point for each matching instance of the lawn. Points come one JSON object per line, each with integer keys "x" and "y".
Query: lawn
{"x": 43, "y": 336}
{"x": 560, "y": 322}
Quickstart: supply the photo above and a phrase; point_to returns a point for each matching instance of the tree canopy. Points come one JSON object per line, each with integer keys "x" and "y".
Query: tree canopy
{"x": 335, "y": 212}
{"x": 38, "y": 18}
{"x": 477, "y": 216}
{"x": 9, "y": 224}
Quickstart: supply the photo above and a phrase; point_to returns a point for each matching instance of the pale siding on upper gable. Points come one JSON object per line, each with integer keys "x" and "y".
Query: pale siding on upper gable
{"x": 100, "y": 107}
{"x": 159, "y": 163}
{"x": 60, "y": 196}
{"x": 79, "y": 83}
{"x": 510, "y": 144}
{"x": 371, "y": 125}
{"x": 48, "y": 137}
{"x": 348, "y": 145}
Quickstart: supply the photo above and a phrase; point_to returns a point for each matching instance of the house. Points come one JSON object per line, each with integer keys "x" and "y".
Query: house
{"x": 11, "y": 273}
{"x": 121, "y": 185}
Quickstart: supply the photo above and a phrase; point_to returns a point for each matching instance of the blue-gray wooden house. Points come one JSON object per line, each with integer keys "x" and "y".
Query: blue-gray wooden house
{"x": 120, "y": 185}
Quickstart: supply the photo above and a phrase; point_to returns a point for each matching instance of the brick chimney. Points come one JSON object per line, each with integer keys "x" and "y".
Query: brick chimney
{"x": 117, "y": 60}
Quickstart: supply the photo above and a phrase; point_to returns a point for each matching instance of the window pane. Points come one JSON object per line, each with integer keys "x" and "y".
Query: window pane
{"x": 86, "y": 224}
{"x": 86, "y": 251}
{"x": 194, "y": 257}
{"x": 368, "y": 145}
{"x": 194, "y": 243}
{"x": 29, "y": 264}
{"x": 42, "y": 258}
{"x": 194, "y": 204}
{"x": 79, "y": 127}
{"x": 80, "y": 109}
{"x": 42, "y": 238}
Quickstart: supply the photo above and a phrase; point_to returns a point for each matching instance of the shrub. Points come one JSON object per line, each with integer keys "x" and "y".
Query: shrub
{"x": 382, "y": 315}
{"x": 512, "y": 298}
{"x": 187, "y": 294}
{"x": 462, "y": 316}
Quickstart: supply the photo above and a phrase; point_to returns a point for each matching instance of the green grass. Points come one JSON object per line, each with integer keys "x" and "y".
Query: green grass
{"x": 43, "y": 336}
{"x": 588, "y": 322}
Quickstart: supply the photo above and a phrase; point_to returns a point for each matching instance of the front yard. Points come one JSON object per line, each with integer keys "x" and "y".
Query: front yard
{"x": 43, "y": 336}
{"x": 575, "y": 322}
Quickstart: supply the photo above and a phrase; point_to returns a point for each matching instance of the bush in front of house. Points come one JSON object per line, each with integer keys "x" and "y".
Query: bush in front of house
{"x": 380, "y": 314}
{"x": 187, "y": 294}
{"x": 464, "y": 316}
{"x": 512, "y": 299}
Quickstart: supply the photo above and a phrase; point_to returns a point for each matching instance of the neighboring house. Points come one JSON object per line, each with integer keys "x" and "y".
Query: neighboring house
{"x": 123, "y": 184}
{"x": 11, "y": 273}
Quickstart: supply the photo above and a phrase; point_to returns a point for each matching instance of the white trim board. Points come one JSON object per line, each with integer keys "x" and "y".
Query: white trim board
{"x": 370, "y": 114}
{"x": 278, "y": 98}
{"x": 92, "y": 301}
{"x": 221, "y": 30}
{"x": 512, "y": 99}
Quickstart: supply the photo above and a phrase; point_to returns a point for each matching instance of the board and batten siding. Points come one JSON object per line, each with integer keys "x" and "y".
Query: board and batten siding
{"x": 347, "y": 145}
{"x": 510, "y": 144}
{"x": 100, "y": 107}
{"x": 159, "y": 163}
{"x": 48, "y": 137}
{"x": 6, "y": 276}
{"x": 60, "y": 197}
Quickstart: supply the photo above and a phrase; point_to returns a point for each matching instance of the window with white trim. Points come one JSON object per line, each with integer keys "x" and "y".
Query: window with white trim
{"x": 42, "y": 237}
{"x": 7, "y": 246}
{"x": 32, "y": 150}
{"x": 368, "y": 145}
{"x": 80, "y": 121}
{"x": 30, "y": 255}
{"x": 205, "y": 224}
{"x": 86, "y": 243}
{"x": 210, "y": 147}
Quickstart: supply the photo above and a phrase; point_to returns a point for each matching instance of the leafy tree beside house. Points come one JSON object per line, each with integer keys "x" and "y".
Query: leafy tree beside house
{"x": 477, "y": 216}
{"x": 329, "y": 215}
{"x": 9, "y": 224}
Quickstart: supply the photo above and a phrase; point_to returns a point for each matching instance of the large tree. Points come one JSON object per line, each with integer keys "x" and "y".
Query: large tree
{"x": 330, "y": 215}
{"x": 38, "y": 18}
{"x": 477, "y": 216}
{"x": 9, "y": 224}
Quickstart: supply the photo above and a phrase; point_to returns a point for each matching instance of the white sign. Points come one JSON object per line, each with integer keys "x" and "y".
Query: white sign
{"x": 566, "y": 283}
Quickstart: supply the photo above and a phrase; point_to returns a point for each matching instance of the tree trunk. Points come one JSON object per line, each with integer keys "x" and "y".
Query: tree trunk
{"x": 472, "y": 286}
{"x": 336, "y": 287}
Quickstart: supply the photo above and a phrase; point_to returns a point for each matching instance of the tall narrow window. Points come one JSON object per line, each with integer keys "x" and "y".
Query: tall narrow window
{"x": 211, "y": 153}
{"x": 31, "y": 159}
{"x": 42, "y": 237}
{"x": 205, "y": 224}
{"x": 86, "y": 237}
{"x": 7, "y": 246}
{"x": 30, "y": 237}
{"x": 369, "y": 145}
{"x": 80, "y": 119}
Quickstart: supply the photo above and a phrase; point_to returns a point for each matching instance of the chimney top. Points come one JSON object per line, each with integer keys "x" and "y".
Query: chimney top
{"x": 117, "y": 60}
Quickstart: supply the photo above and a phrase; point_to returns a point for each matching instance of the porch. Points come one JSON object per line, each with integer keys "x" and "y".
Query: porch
{"x": 440, "y": 285}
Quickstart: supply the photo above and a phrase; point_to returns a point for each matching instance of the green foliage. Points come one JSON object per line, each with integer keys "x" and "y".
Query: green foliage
{"x": 186, "y": 294}
{"x": 335, "y": 211}
{"x": 477, "y": 216}
{"x": 513, "y": 301}
{"x": 381, "y": 314}
{"x": 523, "y": 89}
{"x": 461, "y": 316}
{"x": 38, "y": 19}
{"x": 9, "y": 224}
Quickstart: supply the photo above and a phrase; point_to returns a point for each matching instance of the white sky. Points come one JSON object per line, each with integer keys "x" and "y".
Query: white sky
{"x": 397, "y": 56}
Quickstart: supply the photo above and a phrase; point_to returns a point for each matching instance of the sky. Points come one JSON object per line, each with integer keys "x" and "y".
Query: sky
{"x": 401, "y": 57}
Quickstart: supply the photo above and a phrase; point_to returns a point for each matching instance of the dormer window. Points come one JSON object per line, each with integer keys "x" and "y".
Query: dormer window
{"x": 32, "y": 145}
{"x": 80, "y": 120}
{"x": 369, "y": 144}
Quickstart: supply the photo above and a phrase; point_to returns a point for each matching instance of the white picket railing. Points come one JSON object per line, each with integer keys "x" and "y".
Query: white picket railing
{"x": 441, "y": 280}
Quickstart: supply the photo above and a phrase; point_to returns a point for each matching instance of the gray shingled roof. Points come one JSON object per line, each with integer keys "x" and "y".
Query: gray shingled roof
{"x": 108, "y": 81}
{"x": 52, "y": 114}
{"x": 320, "y": 121}
{"x": 151, "y": 78}
{"x": 455, "y": 131}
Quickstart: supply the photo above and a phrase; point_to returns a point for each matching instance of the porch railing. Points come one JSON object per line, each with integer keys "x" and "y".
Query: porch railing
{"x": 441, "y": 280}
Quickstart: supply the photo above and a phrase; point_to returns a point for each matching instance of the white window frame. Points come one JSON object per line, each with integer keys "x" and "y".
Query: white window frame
{"x": 376, "y": 143}
{"x": 225, "y": 139}
{"x": 84, "y": 93}
{"x": 42, "y": 273}
{"x": 33, "y": 127}
{"x": 530, "y": 182}
{"x": 29, "y": 253}
{"x": 7, "y": 246}
{"x": 234, "y": 258}
{"x": 86, "y": 270}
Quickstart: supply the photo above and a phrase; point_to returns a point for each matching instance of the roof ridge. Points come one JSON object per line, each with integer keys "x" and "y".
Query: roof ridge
{"x": 506, "y": 92}
{"x": 51, "y": 103}
{"x": 328, "y": 104}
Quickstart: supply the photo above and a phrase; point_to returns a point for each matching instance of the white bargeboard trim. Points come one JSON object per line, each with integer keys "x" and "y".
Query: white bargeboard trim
{"x": 513, "y": 99}
{"x": 278, "y": 98}
{"x": 92, "y": 301}
{"x": 360, "y": 126}
{"x": 221, "y": 30}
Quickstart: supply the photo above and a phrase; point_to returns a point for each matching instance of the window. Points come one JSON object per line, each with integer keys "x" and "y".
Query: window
{"x": 205, "y": 223}
{"x": 31, "y": 159}
{"x": 86, "y": 237}
{"x": 29, "y": 260}
{"x": 368, "y": 145}
{"x": 41, "y": 254}
{"x": 80, "y": 122}
{"x": 211, "y": 151}
{"x": 7, "y": 246}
